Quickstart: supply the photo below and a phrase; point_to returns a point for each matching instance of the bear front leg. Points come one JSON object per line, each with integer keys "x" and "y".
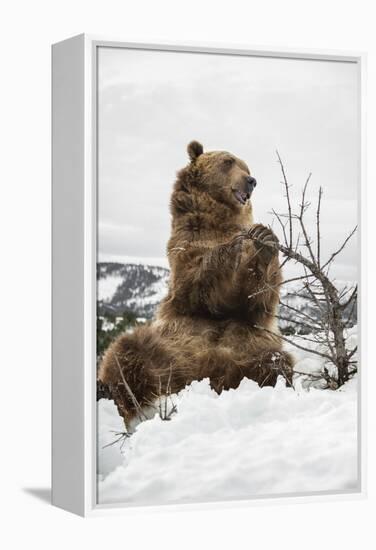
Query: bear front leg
{"x": 260, "y": 275}
{"x": 264, "y": 368}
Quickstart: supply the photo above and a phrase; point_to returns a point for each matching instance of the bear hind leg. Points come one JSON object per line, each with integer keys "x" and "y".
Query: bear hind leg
{"x": 128, "y": 373}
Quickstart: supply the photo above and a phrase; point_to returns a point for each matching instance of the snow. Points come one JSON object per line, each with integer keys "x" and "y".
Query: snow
{"x": 107, "y": 287}
{"x": 153, "y": 295}
{"x": 241, "y": 444}
{"x": 106, "y": 324}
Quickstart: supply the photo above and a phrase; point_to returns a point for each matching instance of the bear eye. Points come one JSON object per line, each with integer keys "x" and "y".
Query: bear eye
{"x": 228, "y": 161}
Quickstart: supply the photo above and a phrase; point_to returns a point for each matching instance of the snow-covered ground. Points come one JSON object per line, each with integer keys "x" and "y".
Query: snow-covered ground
{"x": 240, "y": 444}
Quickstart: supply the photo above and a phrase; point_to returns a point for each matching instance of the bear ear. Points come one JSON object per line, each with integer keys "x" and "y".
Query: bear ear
{"x": 195, "y": 149}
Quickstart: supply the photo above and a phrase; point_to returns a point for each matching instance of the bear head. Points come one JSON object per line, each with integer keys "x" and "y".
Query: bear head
{"x": 225, "y": 177}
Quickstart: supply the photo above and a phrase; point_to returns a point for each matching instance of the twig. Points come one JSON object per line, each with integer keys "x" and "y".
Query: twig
{"x": 353, "y": 296}
{"x": 122, "y": 436}
{"x": 271, "y": 287}
{"x": 315, "y": 352}
{"x": 298, "y": 312}
{"x": 303, "y": 208}
{"x": 340, "y": 248}
{"x": 318, "y": 225}
{"x": 136, "y": 404}
{"x": 287, "y": 197}
{"x": 350, "y": 314}
{"x": 354, "y": 350}
{"x": 296, "y": 322}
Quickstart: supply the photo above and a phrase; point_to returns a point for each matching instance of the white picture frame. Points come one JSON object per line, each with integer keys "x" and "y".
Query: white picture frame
{"x": 74, "y": 206}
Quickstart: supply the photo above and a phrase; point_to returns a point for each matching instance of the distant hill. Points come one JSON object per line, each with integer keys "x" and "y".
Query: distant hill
{"x": 130, "y": 287}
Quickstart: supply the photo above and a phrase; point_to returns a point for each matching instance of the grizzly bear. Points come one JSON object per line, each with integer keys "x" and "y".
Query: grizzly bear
{"x": 218, "y": 319}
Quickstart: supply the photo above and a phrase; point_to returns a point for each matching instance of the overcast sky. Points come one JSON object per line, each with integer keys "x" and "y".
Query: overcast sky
{"x": 151, "y": 104}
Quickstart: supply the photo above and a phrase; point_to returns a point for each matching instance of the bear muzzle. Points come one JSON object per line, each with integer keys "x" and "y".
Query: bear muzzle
{"x": 251, "y": 182}
{"x": 243, "y": 195}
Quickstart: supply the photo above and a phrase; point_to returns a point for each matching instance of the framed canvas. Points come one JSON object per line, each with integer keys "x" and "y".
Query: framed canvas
{"x": 207, "y": 275}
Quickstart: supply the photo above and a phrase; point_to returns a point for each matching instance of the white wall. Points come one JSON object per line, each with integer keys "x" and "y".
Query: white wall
{"x": 27, "y": 30}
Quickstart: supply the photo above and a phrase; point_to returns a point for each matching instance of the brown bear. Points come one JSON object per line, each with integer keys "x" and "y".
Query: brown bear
{"x": 223, "y": 294}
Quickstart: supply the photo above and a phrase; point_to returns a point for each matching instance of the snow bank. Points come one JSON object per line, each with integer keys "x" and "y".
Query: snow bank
{"x": 244, "y": 443}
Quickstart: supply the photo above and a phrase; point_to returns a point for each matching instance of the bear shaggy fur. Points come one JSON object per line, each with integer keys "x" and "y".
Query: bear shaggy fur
{"x": 222, "y": 289}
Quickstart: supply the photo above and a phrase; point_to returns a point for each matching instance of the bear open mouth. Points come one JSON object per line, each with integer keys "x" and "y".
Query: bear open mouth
{"x": 241, "y": 196}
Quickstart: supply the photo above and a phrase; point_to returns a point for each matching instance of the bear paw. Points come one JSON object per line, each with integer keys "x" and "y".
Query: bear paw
{"x": 266, "y": 242}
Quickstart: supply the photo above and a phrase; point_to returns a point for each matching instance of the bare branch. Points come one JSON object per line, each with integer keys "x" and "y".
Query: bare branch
{"x": 350, "y": 314}
{"x": 121, "y": 436}
{"x": 351, "y": 353}
{"x": 299, "y": 312}
{"x": 353, "y": 296}
{"x": 315, "y": 352}
{"x": 283, "y": 226}
{"x": 318, "y": 225}
{"x": 314, "y": 340}
{"x": 303, "y": 207}
{"x": 287, "y": 198}
{"x": 297, "y": 322}
{"x": 271, "y": 287}
{"x": 340, "y": 248}
{"x": 317, "y": 287}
